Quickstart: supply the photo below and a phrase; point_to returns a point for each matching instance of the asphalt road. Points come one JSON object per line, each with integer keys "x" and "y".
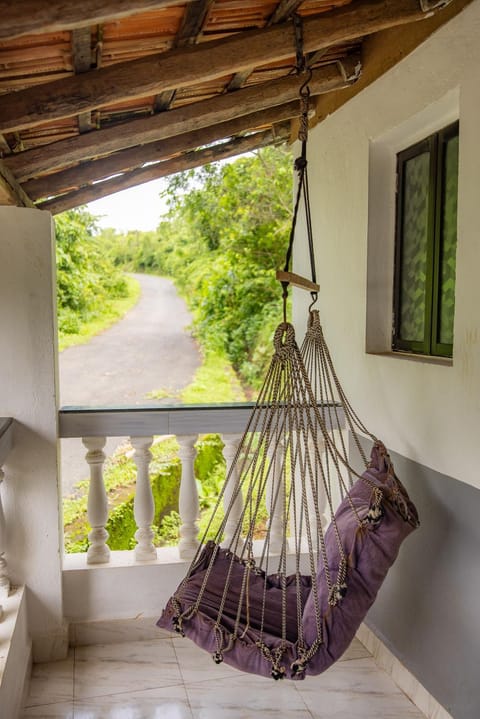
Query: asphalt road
{"x": 149, "y": 349}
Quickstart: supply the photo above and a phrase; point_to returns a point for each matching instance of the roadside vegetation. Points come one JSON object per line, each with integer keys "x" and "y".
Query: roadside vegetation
{"x": 92, "y": 293}
{"x": 224, "y": 236}
{"x": 225, "y": 233}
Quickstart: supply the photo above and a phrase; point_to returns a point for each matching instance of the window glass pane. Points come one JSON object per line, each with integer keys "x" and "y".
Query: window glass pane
{"x": 414, "y": 248}
{"x": 448, "y": 242}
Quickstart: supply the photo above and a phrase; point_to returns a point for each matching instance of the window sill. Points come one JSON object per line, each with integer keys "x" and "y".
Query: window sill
{"x": 415, "y": 357}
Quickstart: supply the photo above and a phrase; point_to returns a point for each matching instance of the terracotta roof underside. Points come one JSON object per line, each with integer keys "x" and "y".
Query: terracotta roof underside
{"x": 92, "y": 104}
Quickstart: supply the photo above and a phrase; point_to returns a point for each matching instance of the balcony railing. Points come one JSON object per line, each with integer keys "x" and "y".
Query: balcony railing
{"x": 141, "y": 426}
{"x": 6, "y": 442}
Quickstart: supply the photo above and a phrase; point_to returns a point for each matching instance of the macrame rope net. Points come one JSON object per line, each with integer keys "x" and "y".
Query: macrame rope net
{"x": 299, "y": 540}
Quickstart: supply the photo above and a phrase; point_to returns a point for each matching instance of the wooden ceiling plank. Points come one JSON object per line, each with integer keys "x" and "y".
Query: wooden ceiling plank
{"x": 27, "y": 17}
{"x": 11, "y": 192}
{"x": 283, "y": 11}
{"x": 192, "y": 25}
{"x": 184, "y": 67}
{"x": 55, "y": 156}
{"x": 94, "y": 170}
{"x": 169, "y": 167}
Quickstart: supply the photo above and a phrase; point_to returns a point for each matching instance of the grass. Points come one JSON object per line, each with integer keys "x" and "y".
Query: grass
{"x": 214, "y": 382}
{"x": 109, "y": 313}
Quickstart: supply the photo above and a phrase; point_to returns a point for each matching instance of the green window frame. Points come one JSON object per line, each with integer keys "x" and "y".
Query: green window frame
{"x": 425, "y": 245}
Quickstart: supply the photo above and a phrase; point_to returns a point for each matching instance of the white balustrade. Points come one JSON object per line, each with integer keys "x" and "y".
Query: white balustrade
{"x": 232, "y": 496}
{"x": 143, "y": 506}
{"x": 275, "y": 497}
{"x": 189, "y": 507}
{"x": 4, "y": 579}
{"x": 97, "y": 507}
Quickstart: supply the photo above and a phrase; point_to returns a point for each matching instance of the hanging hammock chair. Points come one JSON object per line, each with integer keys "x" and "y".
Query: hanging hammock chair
{"x": 300, "y": 541}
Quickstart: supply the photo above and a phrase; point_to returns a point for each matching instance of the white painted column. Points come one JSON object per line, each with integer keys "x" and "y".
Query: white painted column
{"x": 275, "y": 498}
{"x": 189, "y": 507}
{"x": 97, "y": 508}
{"x": 310, "y": 497}
{"x": 231, "y": 444}
{"x": 316, "y": 495}
{"x": 143, "y": 505}
{"x": 4, "y": 580}
{"x": 28, "y": 376}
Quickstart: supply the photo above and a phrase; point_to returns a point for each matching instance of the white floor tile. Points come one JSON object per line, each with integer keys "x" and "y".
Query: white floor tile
{"x": 116, "y": 668}
{"x": 51, "y": 683}
{"x": 50, "y": 711}
{"x": 244, "y": 697}
{"x": 356, "y": 650}
{"x": 356, "y": 689}
{"x": 174, "y": 679}
{"x": 166, "y": 703}
{"x": 197, "y": 665}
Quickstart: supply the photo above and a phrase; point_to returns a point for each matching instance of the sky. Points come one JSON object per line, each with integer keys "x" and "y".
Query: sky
{"x": 138, "y": 208}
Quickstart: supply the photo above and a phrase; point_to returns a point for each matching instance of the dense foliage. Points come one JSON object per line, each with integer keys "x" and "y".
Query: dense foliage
{"x": 223, "y": 238}
{"x": 86, "y": 277}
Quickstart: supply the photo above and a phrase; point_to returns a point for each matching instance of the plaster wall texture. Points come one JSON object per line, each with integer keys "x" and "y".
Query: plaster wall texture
{"x": 426, "y": 411}
{"x": 28, "y": 394}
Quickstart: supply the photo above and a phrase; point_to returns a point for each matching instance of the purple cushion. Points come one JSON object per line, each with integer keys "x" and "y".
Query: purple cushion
{"x": 370, "y": 549}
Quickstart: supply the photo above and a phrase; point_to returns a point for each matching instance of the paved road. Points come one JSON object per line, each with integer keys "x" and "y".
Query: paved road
{"x": 150, "y": 348}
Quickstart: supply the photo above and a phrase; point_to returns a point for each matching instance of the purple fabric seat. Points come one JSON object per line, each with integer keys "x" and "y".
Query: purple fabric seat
{"x": 371, "y": 548}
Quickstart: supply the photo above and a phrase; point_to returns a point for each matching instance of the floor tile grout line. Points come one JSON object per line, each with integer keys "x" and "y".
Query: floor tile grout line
{"x": 183, "y": 678}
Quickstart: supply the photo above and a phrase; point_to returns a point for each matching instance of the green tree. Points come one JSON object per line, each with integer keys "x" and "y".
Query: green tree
{"x": 224, "y": 236}
{"x": 86, "y": 277}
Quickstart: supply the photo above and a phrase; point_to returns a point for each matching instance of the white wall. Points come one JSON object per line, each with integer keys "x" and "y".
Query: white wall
{"x": 28, "y": 394}
{"x": 424, "y": 411}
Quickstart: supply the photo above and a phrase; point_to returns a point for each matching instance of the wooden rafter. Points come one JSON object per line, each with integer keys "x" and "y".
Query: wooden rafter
{"x": 283, "y": 11}
{"x": 190, "y": 29}
{"x": 162, "y": 169}
{"x": 32, "y": 163}
{"x": 34, "y": 16}
{"x": 89, "y": 172}
{"x": 185, "y": 66}
{"x": 82, "y": 60}
{"x": 11, "y": 193}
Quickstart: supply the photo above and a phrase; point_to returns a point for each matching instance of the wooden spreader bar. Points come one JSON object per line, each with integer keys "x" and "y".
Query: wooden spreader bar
{"x": 297, "y": 281}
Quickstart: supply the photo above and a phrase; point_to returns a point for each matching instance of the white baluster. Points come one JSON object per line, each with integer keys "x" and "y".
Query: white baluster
{"x": 97, "y": 508}
{"x": 143, "y": 506}
{"x": 231, "y": 442}
{"x": 275, "y": 498}
{"x": 4, "y": 579}
{"x": 188, "y": 501}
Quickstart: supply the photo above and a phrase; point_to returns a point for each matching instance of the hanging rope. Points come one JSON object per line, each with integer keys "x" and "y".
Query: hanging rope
{"x": 283, "y": 592}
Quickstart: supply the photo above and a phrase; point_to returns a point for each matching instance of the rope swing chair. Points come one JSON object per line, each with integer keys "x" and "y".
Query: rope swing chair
{"x": 305, "y": 541}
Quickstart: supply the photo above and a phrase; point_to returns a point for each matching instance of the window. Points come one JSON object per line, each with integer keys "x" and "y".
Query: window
{"x": 425, "y": 245}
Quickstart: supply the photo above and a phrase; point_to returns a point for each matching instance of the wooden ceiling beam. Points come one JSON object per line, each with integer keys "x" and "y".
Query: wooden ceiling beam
{"x": 61, "y": 154}
{"x": 190, "y": 30}
{"x": 25, "y": 17}
{"x": 284, "y": 10}
{"x": 11, "y": 193}
{"x": 187, "y": 66}
{"x": 188, "y": 161}
{"x": 95, "y": 170}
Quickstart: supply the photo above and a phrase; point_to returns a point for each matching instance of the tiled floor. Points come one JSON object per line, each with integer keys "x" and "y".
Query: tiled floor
{"x": 173, "y": 679}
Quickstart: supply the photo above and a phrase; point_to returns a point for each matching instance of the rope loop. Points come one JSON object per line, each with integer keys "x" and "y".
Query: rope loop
{"x": 284, "y": 337}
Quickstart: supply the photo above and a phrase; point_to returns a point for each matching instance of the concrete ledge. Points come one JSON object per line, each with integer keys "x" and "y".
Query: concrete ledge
{"x": 404, "y": 679}
{"x": 15, "y": 655}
